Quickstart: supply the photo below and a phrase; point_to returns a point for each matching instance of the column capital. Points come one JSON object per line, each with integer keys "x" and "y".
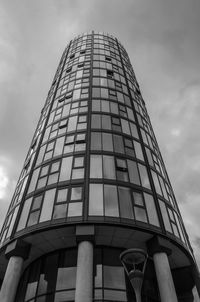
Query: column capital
{"x": 157, "y": 245}
{"x": 85, "y": 233}
{"x": 18, "y": 248}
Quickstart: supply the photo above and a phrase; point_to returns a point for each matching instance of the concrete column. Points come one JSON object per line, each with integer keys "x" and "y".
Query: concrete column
{"x": 84, "y": 277}
{"x": 164, "y": 277}
{"x": 11, "y": 279}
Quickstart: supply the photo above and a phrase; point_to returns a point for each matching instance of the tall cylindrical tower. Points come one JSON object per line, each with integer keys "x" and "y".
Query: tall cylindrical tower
{"x": 93, "y": 185}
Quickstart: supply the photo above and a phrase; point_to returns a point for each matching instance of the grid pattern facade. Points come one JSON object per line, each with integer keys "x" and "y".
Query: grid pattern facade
{"x": 94, "y": 156}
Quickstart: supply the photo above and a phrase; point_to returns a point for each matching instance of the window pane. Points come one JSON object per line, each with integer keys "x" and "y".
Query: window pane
{"x": 107, "y": 142}
{"x": 37, "y": 202}
{"x": 33, "y": 180}
{"x": 33, "y": 218}
{"x": 78, "y": 173}
{"x": 111, "y": 201}
{"x": 133, "y": 172}
{"x": 165, "y": 216}
{"x": 144, "y": 176}
{"x": 60, "y": 211}
{"x": 114, "y": 277}
{"x": 95, "y": 141}
{"x": 151, "y": 209}
{"x": 24, "y": 214}
{"x": 118, "y": 143}
{"x": 126, "y": 210}
{"x": 125, "y": 126}
{"x": 95, "y": 166}
{"x": 109, "y": 167}
{"x": 74, "y": 209}
{"x": 65, "y": 296}
{"x": 59, "y": 146}
{"x": 72, "y": 123}
{"x": 47, "y": 206}
{"x": 138, "y": 150}
{"x": 65, "y": 171}
{"x": 76, "y": 193}
{"x": 140, "y": 214}
{"x": 156, "y": 182}
{"x": 112, "y": 295}
{"x": 62, "y": 195}
{"x": 106, "y": 122}
{"x": 96, "y": 121}
{"x": 66, "y": 278}
{"x": 96, "y": 199}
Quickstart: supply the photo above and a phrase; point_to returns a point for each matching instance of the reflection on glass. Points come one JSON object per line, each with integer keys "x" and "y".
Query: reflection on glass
{"x": 140, "y": 214}
{"x": 65, "y": 296}
{"x": 60, "y": 211}
{"x": 47, "y": 206}
{"x": 144, "y": 176}
{"x": 95, "y": 166}
{"x": 108, "y": 167}
{"x": 24, "y": 214}
{"x": 74, "y": 209}
{"x": 114, "y": 277}
{"x": 125, "y": 203}
{"x": 66, "y": 278}
{"x": 112, "y": 295}
{"x": 96, "y": 199}
{"x": 76, "y": 193}
{"x": 151, "y": 209}
{"x": 111, "y": 201}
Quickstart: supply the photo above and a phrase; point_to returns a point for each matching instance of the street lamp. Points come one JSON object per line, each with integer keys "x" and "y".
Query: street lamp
{"x": 134, "y": 262}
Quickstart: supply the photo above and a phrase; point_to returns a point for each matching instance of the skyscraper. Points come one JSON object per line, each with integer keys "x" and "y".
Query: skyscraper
{"x": 92, "y": 186}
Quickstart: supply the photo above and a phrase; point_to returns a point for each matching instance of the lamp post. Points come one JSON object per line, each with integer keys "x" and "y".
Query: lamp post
{"x": 134, "y": 262}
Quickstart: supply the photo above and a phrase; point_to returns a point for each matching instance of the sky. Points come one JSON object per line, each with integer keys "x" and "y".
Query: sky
{"x": 162, "y": 39}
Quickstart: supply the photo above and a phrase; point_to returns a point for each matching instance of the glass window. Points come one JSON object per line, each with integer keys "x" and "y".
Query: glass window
{"x": 24, "y": 214}
{"x": 138, "y": 150}
{"x": 126, "y": 210}
{"x": 151, "y": 209}
{"x": 76, "y": 193}
{"x": 113, "y": 295}
{"x": 133, "y": 172}
{"x": 96, "y": 199}
{"x": 144, "y": 176}
{"x": 107, "y": 142}
{"x": 109, "y": 167}
{"x": 64, "y": 296}
{"x": 96, "y": 121}
{"x": 140, "y": 214}
{"x": 125, "y": 126}
{"x": 156, "y": 182}
{"x": 65, "y": 171}
{"x": 34, "y": 179}
{"x": 118, "y": 143}
{"x": 165, "y": 216}
{"x": 59, "y": 146}
{"x": 114, "y": 277}
{"x": 60, "y": 211}
{"x": 111, "y": 201}
{"x": 95, "y": 166}
{"x": 47, "y": 205}
{"x": 66, "y": 278}
{"x": 74, "y": 209}
{"x": 106, "y": 122}
{"x": 95, "y": 141}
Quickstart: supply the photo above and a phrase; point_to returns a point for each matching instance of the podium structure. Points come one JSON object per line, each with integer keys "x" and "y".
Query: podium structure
{"x": 94, "y": 185}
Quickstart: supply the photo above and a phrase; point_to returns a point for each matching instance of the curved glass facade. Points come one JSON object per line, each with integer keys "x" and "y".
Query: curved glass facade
{"x": 93, "y": 166}
{"x": 53, "y": 278}
{"x": 94, "y": 156}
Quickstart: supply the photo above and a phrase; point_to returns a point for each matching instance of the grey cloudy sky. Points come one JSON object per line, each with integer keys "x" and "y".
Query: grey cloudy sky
{"x": 162, "y": 39}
